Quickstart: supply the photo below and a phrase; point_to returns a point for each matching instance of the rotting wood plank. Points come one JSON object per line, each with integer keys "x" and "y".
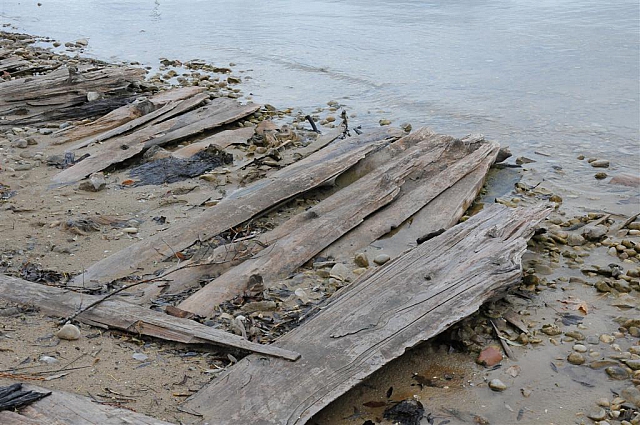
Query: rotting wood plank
{"x": 35, "y": 98}
{"x": 221, "y": 140}
{"x": 375, "y": 320}
{"x": 120, "y": 315}
{"x": 218, "y": 113}
{"x": 447, "y": 209}
{"x": 119, "y": 118}
{"x": 63, "y": 408}
{"x": 434, "y": 165}
{"x": 240, "y": 206}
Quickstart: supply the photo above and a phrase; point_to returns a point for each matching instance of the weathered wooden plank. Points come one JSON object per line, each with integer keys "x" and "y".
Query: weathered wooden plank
{"x": 219, "y": 112}
{"x": 240, "y": 206}
{"x": 121, "y": 116}
{"x": 127, "y": 317}
{"x": 374, "y": 320}
{"x": 54, "y": 95}
{"x": 63, "y": 408}
{"x": 221, "y": 140}
{"x": 414, "y": 198}
{"x": 433, "y": 165}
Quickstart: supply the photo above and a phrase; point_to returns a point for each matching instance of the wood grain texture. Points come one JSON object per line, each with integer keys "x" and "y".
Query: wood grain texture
{"x": 120, "y": 315}
{"x": 219, "y": 112}
{"x": 239, "y": 207}
{"x": 374, "y": 320}
{"x": 432, "y": 166}
{"x": 125, "y": 114}
{"x": 221, "y": 140}
{"x": 63, "y": 408}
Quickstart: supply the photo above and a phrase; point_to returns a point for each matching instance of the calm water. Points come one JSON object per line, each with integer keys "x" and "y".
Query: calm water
{"x": 559, "y": 76}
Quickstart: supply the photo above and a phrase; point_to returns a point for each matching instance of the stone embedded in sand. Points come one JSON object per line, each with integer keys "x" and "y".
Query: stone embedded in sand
{"x": 361, "y": 260}
{"x": 490, "y": 356}
{"x": 600, "y": 163}
{"x": 69, "y": 332}
{"x": 381, "y": 259}
{"x": 497, "y": 385}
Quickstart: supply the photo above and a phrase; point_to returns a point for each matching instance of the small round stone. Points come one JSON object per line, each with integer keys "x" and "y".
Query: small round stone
{"x": 617, "y": 373}
{"x": 497, "y": 385}
{"x": 381, "y": 259}
{"x": 580, "y": 348}
{"x": 69, "y": 332}
{"x": 576, "y": 358}
{"x": 361, "y": 260}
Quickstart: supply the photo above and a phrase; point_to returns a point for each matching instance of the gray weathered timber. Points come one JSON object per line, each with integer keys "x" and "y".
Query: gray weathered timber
{"x": 240, "y": 206}
{"x": 126, "y": 317}
{"x": 62, "y": 408}
{"x": 219, "y": 112}
{"x": 32, "y": 99}
{"x": 118, "y": 117}
{"x": 433, "y": 165}
{"x": 374, "y": 320}
{"x": 427, "y": 214}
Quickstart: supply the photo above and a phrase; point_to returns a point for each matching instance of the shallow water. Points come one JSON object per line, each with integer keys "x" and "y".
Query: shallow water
{"x": 563, "y": 74}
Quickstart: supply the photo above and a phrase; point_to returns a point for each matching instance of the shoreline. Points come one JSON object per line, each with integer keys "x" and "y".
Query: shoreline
{"x": 552, "y": 271}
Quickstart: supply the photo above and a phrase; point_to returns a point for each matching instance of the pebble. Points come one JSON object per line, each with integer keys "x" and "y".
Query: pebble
{"x": 130, "y": 230}
{"x": 95, "y": 183}
{"x": 340, "y": 271}
{"x": 381, "y": 259}
{"x": 384, "y": 121}
{"x": 593, "y": 340}
{"x": 45, "y": 131}
{"x": 20, "y": 143}
{"x": 616, "y": 372}
{"x": 597, "y": 414}
{"x": 602, "y": 286}
{"x": 577, "y": 335}
{"x": 497, "y": 385}
{"x": 603, "y": 402}
{"x": 600, "y": 163}
{"x": 551, "y": 329}
{"x": 490, "y": 356}
{"x": 600, "y": 176}
{"x": 82, "y": 42}
{"x": 576, "y": 358}
{"x": 406, "y": 127}
{"x": 634, "y": 364}
{"x": 575, "y": 240}
{"x": 140, "y": 357}
{"x": 632, "y": 395}
{"x": 607, "y": 339}
{"x": 69, "y": 332}
{"x": 594, "y": 233}
{"x": 580, "y": 348}
{"x": 361, "y": 260}
{"x": 92, "y": 95}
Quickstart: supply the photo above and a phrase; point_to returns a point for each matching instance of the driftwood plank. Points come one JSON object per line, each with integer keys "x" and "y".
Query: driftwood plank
{"x": 127, "y": 317}
{"x": 221, "y": 140}
{"x": 133, "y": 113}
{"x": 240, "y": 206}
{"x": 374, "y": 320}
{"x": 446, "y": 210}
{"x": 62, "y": 93}
{"x": 62, "y": 408}
{"x": 433, "y": 165}
{"x": 219, "y": 112}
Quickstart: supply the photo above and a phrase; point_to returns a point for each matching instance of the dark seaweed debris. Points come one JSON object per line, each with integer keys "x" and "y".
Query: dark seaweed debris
{"x": 6, "y": 192}
{"x": 407, "y": 412}
{"x": 13, "y": 396}
{"x": 171, "y": 170}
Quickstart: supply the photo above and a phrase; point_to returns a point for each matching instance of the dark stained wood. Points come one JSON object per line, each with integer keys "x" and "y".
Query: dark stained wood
{"x": 120, "y": 315}
{"x": 375, "y": 320}
{"x": 240, "y": 206}
{"x": 62, "y": 408}
{"x": 219, "y": 112}
{"x": 431, "y": 166}
{"x": 52, "y": 96}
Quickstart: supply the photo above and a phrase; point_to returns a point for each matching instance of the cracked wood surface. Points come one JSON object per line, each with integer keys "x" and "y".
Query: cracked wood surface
{"x": 432, "y": 165}
{"x": 374, "y": 320}
{"x": 240, "y": 206}
{"x": 126, "y": 317}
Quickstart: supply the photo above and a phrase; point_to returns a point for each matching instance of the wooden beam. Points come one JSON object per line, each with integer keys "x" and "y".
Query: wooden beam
{"x": 123, "y": 115}
{"x": 63, "y": 408}
{"x": 219, "y": 112}
{"x": 239, "y": 207}
{"x": 126, "y": 317}
{"x": 375, "y": 320}
{"x": 433, "y": 165}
